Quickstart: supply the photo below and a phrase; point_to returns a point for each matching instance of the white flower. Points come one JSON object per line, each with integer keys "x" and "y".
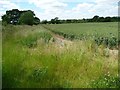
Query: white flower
{"x": 105, "y": 78}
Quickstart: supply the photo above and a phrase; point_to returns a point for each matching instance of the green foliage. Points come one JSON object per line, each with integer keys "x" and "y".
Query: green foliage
{"x": 36, "y": 21}
{"x": 55, "y": 21}
{"x": 13, "y": 16}
{"x": 46, "y": 36}
{"x": 39, "y": 74}
{"x": 107, "y": 41}
{"x": 4, "y": 23}
{"x": 5, "y": 19}
{"x": 30, "y": 41}
{"x": 94, "y": 19}
{"x": 106, "y": 81}
{"x": 27, "y": 18}
{"x": 44, "y": 22}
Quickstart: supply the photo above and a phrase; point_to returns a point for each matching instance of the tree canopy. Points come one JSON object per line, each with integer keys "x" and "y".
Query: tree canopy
{"x": 15, "y": 16}
{"x": 26, "y": 18}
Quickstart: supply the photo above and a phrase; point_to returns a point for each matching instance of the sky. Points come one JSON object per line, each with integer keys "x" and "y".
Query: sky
{"x": 64, "y": 9}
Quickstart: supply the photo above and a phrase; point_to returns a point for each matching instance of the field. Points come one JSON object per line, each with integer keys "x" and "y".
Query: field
{"x": 103, "y": 29}
{"x": 102, "y": 33}
{"x": 43, "y": 57}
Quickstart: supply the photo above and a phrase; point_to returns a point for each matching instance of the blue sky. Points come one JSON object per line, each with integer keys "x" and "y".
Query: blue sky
{"x": 64, "y": 9}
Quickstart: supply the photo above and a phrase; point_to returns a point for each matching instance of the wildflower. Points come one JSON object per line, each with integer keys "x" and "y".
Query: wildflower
{"x": 105, "y": 78}
{"x": 107, "y": 84}
{"x": 108, "y": 75}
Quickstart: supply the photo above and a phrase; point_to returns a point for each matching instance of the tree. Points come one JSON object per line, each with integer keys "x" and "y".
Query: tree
{"x": 44, "y": 22}
{"x": 36, "y": 21}
{"x": 55, "y": 21}
{"x": 114, "y": 19}
{"x": 52, "y": 21}
{"x": 107, "y": 19}
{"x": 27, "y": 18}
{"x": 68, "y": 20}
{"x": 6, "y": 19}
{"x": 13, "y": 17}
{"x": 101, "y": 19}
{"x": 95, "y": 18}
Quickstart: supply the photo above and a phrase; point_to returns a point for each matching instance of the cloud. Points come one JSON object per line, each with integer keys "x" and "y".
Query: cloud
{"x": 6, "y": 5}
{"x": 98, "y": 7}
{"x": 86, "y": 9}
{"x": 51, "y": 8}
{"x": 82, "y": 8}
{"x": 47, "y": 9}
{"x": 107, "y": 1}
{"x": 48, "y": 4}
{"x": 105, "y": 8}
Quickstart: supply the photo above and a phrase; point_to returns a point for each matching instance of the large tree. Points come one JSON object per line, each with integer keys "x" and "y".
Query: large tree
{"x": 15, "y": 16}
{"x": 27, "y": 18}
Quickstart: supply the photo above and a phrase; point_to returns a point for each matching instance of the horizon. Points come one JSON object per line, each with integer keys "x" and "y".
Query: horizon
{"x": 64, "y": 9}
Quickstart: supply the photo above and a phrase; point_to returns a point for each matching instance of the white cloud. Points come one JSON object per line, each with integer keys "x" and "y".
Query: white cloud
{"x": 51, "y": 8}
{"x": 54, "y": 8}
{"x": 98, "y": 7}
{"x": 6, "y": 5}
{"x": 105, "y": 8}
{"x": 63, "y": 10}
{"x": 82, "y": 8}
{"x": 106, "y": 1}
{"x": 48, "y": 4}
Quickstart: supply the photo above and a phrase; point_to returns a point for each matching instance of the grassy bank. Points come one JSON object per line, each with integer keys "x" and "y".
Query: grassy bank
{"x": 31, "y": 58}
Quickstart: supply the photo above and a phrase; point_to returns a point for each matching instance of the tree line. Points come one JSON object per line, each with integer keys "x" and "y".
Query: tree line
{"x": 96, "y": 18}
{"x": 28, "y": 17}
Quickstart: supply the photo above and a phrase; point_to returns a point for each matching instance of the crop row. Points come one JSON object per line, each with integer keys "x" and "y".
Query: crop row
{"x": 109, "y": 41}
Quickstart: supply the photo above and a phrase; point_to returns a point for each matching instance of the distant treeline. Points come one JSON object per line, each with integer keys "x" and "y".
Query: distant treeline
{"x": 28, "y": 17}
{"x": 96, "y": 18}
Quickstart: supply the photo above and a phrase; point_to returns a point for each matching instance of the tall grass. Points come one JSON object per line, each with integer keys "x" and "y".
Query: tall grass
{"x": 48, "y": 65}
